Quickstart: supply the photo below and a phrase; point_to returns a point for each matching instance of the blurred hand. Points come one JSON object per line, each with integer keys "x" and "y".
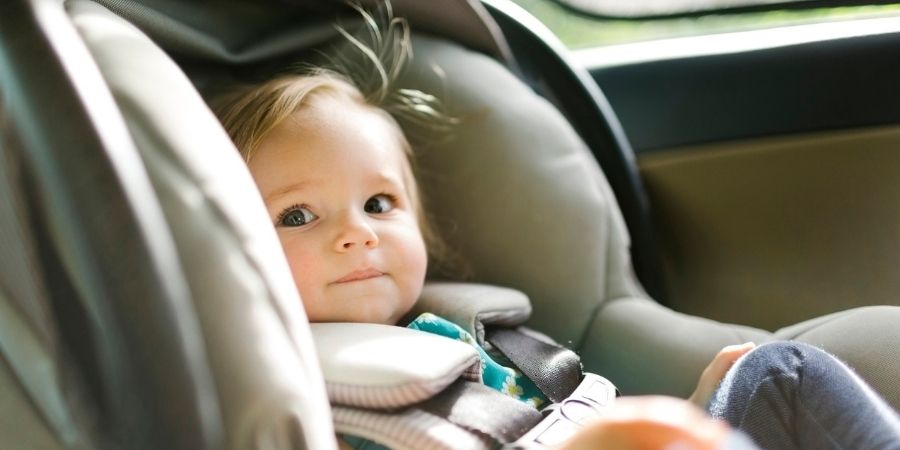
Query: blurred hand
{"x": 649, "y": 423}
{"x": 715, "y": 371}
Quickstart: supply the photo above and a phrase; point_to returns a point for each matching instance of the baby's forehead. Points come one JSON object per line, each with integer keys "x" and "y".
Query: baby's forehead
{"x": 335, "y": 121}
{"x": 324, "y": 101}
{"x": 320, "y": 111}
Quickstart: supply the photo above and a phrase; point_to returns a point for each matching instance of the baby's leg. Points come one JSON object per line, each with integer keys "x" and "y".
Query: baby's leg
{"x": 790, "y": 395}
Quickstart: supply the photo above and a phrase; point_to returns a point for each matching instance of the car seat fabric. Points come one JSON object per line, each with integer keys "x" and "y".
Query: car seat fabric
{"x": 866, "y": 338}
{"x": 268, "y": 380}
{"x": 267, "y": 29}
{"x": 104, "y": 265}
{"x": 30, "y": 381}
{"x": 520, "y": 196}
{"x": 514, "y": 177}
{"x": 42, "y": 416}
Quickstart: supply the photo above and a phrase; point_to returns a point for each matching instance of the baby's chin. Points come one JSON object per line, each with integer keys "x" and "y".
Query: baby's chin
{"x": 356, "y": 318}
{"x": 363, "y": 311}
{"x": 391, "y": 317}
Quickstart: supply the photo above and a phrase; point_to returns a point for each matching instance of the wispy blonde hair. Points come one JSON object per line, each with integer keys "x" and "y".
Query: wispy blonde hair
{"x": 366, "y": 75}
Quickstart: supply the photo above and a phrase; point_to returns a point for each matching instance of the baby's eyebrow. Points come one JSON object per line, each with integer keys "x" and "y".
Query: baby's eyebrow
{"x": 281, "y": 192}
{"x": 387, "y": 178}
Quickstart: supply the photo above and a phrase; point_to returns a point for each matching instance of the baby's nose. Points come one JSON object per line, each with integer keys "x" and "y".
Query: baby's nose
{"x": 356, "y": 232}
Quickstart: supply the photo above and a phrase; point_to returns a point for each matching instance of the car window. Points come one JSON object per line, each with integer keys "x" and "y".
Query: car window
{"x": 578, "y": 28}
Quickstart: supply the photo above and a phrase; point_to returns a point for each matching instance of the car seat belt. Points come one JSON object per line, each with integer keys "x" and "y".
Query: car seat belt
{"x": 578, "y": 398}
{"x": 554, "y": 369}
{"x": 476, "y": 407}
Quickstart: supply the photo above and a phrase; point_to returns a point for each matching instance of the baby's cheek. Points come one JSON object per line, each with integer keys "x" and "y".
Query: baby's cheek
{"x": 299, "y": 256}
{"x": 313, "y": 302}
{"x": 418, "y": 263}
{"x": 306, "y": 277}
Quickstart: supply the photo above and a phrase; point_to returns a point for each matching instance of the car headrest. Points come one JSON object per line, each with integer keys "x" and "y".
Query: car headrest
{"x": 517, "y": 193}
{"x": 246, "y": 31}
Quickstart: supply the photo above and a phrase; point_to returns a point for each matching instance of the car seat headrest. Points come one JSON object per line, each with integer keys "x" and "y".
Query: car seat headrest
{"x": 247, "y": 31}
{"x": 517, "y": 193}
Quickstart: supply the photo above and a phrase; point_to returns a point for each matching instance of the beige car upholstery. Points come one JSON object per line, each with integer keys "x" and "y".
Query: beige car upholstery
{"x": 817, "y": 216}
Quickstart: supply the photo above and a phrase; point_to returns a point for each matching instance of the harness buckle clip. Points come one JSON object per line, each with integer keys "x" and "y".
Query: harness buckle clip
{"x": 588, "y": 402}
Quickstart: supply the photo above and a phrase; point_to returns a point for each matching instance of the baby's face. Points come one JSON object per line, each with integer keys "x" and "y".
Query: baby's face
{"x": 332, "y": 179}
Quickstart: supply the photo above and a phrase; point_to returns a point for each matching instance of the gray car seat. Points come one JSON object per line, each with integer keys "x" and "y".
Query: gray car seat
{"x": 190, "y": 333}
{"x": 155, "y": 317}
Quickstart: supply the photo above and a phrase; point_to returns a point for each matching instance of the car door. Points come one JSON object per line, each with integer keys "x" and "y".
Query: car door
{"x": 771, "y": 160}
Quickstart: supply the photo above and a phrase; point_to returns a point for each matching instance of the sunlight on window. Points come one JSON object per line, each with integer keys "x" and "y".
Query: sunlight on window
{"x": 733, "y": 42}
{"x": 644, "y": 8}
{"x": 579, "y": 30}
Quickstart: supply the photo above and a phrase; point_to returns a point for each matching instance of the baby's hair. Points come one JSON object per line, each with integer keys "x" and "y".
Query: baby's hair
{"x": 366, "y": 75}
{"x": 377, "y": 57}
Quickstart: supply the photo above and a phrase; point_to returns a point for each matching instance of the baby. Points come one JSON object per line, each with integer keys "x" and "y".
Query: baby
{"x": 333, "y": 167}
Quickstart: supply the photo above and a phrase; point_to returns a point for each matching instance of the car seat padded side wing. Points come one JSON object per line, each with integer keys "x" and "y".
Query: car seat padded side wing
{"x": 384, "y": 367}
{"x": 268, "y": 380}
{"x": 866, "y": 338}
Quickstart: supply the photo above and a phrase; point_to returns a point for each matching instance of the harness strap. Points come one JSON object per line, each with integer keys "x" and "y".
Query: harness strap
{"x": 554, "y": 369}
{"x": 476, "y": 407}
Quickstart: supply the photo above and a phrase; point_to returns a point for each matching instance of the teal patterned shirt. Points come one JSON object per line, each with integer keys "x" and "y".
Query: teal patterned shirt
{"x": 504, "y": 379}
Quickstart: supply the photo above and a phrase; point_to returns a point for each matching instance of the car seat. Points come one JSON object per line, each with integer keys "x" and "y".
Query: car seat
{"x": 159, "y": 312}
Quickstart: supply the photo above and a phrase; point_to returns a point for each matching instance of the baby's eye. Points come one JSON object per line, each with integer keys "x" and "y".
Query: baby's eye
{"x": 379, "y": 204}
{"x": 296, "y": 216}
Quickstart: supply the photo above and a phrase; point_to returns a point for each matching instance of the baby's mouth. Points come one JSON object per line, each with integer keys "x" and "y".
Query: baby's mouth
{"x": 360, "y": 275}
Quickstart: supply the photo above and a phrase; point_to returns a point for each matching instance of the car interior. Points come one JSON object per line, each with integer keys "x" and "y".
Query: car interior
{"x": 652, "y": 211}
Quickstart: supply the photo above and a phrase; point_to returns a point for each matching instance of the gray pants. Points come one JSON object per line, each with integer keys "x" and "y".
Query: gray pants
{"x": 789, "y": 395}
